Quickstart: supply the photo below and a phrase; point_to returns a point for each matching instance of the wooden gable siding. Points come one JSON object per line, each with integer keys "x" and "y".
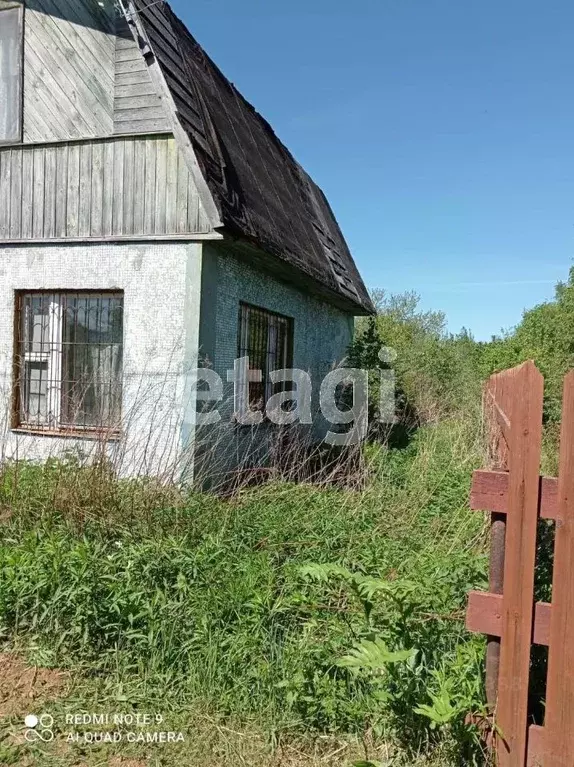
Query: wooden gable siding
{"x": 108, "y": 189}
{"x": 69, "y": 69}
{"x": 137, "y": 105}
{"x": 84, "y": 74}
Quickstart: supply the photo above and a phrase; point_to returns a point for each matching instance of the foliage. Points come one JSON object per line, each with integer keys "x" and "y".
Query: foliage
{"x": 220, "y": 603}
{"x": 420, "y": 671}
{"x": 439, "y": 374}
{"x": 544, "y": 335}
{"x": 436, "y": 373}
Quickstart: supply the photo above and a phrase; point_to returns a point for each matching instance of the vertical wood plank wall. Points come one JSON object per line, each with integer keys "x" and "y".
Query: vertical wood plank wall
{"x": 98, "y": 189}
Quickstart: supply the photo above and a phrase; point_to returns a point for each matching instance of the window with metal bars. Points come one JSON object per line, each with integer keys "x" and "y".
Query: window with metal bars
{"x": 267, "y": 339}
{"x": 68, "y": 362}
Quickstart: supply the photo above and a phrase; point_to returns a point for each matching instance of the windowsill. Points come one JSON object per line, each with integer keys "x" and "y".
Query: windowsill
{"x": 94, "y": 435}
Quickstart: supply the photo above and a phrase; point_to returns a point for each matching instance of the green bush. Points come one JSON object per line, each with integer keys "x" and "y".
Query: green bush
{"x": 437, "y": 373}
{"x": 544, "y": 335}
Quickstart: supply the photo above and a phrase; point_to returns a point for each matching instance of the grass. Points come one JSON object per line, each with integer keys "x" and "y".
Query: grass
{"x": 210, "y": 741}
{"x": 204, "y": 609}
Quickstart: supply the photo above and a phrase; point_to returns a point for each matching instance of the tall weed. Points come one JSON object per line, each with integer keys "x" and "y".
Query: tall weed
{"x": 207, "y": 599}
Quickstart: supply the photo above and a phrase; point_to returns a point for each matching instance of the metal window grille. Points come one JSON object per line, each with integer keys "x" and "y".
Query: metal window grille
{"x": 267, "y": 339}
{"x": 69, "y": 358}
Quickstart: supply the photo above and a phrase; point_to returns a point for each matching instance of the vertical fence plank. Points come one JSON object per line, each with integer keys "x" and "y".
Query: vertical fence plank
{"x": 497, "y": 401}
{"x": 521, "y": 525}
{"x": 559, "y": 726}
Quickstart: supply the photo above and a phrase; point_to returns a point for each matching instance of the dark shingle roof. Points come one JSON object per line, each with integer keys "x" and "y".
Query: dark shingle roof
{"x": 263, "y": 195}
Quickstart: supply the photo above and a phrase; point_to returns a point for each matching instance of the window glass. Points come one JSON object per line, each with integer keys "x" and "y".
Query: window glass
{"x": 267, "y": 339}
{"x": 70, "y": 360}
{"x": 35, "y": 389}
{"x": 92, "y": 358}
{"x": 10, "y": 72}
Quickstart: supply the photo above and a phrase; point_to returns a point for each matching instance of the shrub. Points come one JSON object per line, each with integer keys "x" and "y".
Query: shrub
{"x": 436, "y": 373}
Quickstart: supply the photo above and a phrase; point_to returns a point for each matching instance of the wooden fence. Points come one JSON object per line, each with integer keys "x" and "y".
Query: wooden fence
{"x": 517, "y": 497}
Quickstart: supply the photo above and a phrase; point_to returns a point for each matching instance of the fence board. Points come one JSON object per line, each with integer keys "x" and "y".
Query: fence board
{"x": 536, "y": 746}
{"x": 498, "y": 397}
{"x": 518, "y": 496}
{"x": 560, "y": 689}
{"x": 521, "y": 527}
{"x": 489, "y": 492}
{"x": 498, "y": 402}
{"x": 484, "y": 616}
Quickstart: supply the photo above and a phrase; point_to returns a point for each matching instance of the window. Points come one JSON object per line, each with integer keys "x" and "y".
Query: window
{"x": 69, "y": 361}
{"x": 11, "y": 44}
{"x": 267, "y": 339}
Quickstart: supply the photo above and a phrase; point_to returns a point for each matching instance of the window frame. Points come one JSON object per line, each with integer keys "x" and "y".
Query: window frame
{"x": 243, "y": 350}
{"x": 6, "y": 5}
{"x": 21, "y": 358}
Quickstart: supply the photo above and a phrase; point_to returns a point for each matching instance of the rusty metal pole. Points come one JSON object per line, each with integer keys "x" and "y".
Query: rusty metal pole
{"x": 495, "y": 584}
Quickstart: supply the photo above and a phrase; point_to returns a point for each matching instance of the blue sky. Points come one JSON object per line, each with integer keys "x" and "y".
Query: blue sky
{"x": 441, "y": 131}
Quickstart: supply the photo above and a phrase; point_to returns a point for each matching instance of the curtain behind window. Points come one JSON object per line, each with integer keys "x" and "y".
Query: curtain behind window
{"x": 92, "y": 361}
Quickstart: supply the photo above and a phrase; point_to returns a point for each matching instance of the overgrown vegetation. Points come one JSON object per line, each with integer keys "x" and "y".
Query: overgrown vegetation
{"x": 217, "y": 601}
{"x": 296, "y": 611}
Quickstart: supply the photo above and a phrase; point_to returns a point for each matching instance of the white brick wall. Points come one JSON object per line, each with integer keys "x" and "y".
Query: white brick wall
{"x": 161, "y": 305}
{"x": 166, "y": 286}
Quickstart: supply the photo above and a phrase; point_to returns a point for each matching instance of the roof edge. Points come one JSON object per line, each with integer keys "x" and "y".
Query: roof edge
{"x": 184, "y": 142}
{"x": 253, "y": 254}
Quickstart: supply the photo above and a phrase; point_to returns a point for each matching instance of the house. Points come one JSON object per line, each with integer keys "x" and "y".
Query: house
{"x": 150, "y": 220}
